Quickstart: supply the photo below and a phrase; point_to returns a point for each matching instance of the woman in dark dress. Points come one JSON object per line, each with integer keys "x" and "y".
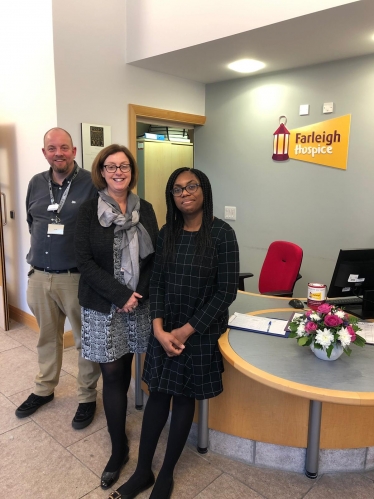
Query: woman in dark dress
{"x": 116, "y": 234}
{"x": 194, "y": 280}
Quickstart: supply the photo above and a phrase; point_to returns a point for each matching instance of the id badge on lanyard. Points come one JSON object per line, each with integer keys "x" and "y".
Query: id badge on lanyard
{"x": 56, "y": 227}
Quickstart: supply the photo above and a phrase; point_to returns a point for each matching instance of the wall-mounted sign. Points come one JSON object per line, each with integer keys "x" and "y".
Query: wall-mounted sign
{"x": 325, "y": 143}
{"x": 94, "y": 139}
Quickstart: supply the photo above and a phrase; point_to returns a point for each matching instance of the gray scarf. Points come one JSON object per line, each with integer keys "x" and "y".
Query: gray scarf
{"x": 136, "y": 241}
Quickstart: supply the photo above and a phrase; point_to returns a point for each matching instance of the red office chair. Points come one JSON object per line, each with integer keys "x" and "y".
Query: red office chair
{"x": 280, "y": 269}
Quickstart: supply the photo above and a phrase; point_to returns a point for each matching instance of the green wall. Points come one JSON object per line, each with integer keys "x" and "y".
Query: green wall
{"x": 320, "y": 208}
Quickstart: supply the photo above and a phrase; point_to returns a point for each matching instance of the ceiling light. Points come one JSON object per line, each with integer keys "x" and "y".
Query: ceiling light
{"x": 246, "y": 66}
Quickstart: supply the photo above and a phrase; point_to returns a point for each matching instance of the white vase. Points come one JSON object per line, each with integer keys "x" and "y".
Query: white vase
{"x": 322, "y": 354}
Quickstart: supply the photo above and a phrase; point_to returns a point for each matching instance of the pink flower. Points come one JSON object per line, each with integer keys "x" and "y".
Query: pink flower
{"x": 351, "y": 331}
{"x": 324, "y": 308}
{"x": 310, "y": 327}
{"x": 332, "y": 321}
{"x": 308, "y": 313}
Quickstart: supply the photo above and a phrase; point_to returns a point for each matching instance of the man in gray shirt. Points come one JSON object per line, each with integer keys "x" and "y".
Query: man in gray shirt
{"x": 52, "y": 203}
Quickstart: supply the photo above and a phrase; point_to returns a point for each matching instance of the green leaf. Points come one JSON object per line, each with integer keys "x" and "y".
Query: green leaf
{"x": 359, "y": 341}
{"x": 302, "y": 341}
{"x": 329, "y": 350}
{"x": 347, "y": 350}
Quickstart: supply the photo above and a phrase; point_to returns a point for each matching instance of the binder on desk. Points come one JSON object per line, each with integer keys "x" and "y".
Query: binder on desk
{"x": 262, "y": 325}
{"x": 367, "y": 331}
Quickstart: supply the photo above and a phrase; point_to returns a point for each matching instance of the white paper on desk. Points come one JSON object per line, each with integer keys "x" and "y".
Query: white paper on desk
{"x": 258, "y": 324}
{"x": 367, "y": 331}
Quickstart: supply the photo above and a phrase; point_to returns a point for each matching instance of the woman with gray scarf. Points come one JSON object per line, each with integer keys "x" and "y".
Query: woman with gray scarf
{"x": 114, "y": 241}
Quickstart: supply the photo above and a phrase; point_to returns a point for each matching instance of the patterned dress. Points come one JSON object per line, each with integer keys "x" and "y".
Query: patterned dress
{"x": 198, "y": 292}
{"x": 107, "y": 337}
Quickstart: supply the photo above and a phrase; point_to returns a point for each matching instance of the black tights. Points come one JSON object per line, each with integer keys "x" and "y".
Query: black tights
{"x": 116, "y": 381}
{"x": 155, "y": 416}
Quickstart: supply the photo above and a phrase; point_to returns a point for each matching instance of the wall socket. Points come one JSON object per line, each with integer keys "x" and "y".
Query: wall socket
{"x": 230, "y": 212}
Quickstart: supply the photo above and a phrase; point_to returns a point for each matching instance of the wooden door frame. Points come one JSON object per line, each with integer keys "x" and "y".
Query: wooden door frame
{"x": 136, "y": 111}
{"x": 3, "y": 274}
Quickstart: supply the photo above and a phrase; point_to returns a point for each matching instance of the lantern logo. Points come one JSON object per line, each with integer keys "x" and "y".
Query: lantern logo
{"x": 281, "y": 141}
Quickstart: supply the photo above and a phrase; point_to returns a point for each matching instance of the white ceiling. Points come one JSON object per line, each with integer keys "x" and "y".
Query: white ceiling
{"x": 329, "y": 35}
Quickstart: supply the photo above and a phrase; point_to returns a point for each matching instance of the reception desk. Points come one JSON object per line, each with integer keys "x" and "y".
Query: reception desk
{"x": 279, "y": 393}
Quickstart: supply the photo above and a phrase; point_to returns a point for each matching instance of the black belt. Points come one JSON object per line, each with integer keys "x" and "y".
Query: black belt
{"x": 74, "y": 270}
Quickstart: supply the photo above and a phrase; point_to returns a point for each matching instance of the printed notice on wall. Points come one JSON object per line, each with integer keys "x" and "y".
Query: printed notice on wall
{"x": 94, "y": 139}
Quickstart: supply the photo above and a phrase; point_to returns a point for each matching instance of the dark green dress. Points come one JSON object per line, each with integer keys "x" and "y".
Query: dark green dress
{"x": 199, "y": 293}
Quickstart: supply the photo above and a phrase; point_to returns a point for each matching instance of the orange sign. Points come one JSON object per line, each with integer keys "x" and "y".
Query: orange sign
{"x": 324, "y": 143}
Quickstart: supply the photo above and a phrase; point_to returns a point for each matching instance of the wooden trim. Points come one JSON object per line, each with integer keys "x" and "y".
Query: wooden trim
{"x": 23, "y": 318}
{"x": 29, "y": 320}
{"x": 270, "y": 311}
{"x": 136, "y": 111}
{"x": 69, "y": 339}
{"x": 305, "y": 391}
{"x": 250, "y": 410}
{"x": 4, "y": 292}
{"x": 287, "y": 298}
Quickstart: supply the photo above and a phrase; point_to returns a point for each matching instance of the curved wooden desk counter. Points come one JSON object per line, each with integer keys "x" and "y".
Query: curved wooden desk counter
{"x": 269, "y": 382}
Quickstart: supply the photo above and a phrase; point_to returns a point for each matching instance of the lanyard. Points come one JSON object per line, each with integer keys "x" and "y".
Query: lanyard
{"x": 65, "y": 195}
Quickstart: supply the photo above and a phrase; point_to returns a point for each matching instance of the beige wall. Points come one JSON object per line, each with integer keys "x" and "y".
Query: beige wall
{"x": 27, "y": 110}
{"x": 66, "y": 72}
{"x": 93, "y": 82}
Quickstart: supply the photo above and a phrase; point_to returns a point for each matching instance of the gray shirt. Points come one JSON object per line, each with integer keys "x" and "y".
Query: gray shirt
{"x": 55, "y": 252}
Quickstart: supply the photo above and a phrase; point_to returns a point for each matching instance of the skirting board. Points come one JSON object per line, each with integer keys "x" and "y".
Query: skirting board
{"x": 29, "y": 320}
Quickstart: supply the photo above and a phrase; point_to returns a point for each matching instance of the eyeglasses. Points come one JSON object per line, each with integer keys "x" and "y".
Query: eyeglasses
{"x": 113, "y": 168}
{"x": 190, "y": 188}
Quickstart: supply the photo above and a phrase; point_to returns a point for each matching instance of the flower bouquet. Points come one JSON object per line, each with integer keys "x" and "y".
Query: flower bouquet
{"x": 326, "y": 328}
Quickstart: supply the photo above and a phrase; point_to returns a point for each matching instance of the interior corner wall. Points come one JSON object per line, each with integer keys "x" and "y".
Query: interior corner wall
{"x": 156, "y": 28}
{"x": 93, "y": 82}
{"x": 322, "y": 209}
{"x": 27, "y": 110}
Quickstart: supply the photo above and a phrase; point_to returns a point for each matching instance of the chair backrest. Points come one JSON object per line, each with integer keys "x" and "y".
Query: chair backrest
{"x": 281, "y": 267}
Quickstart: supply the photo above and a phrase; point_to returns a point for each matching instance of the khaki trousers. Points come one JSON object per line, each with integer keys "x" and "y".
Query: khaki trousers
{"x": 52, "y": 298}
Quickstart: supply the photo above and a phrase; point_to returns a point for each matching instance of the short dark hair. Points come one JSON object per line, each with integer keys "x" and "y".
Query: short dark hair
{"x": 62, "y": 130}
{"x": 98, "y": 165}
{"x": 174, "y": 218}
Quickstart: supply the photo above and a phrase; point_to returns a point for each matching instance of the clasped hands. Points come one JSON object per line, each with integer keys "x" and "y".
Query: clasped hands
{"x": 131, "y": 303}
{"x": 173, "y": 342}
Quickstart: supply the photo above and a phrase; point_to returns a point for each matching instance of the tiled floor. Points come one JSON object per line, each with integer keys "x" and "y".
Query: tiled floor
{"x": 43, "y": 457}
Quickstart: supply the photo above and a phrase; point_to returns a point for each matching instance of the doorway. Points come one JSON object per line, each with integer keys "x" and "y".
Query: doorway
{"x": 166, "y": 156}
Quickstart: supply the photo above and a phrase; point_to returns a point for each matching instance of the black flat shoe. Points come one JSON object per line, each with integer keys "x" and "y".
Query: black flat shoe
{"x": 154, "y": 494}
{"x": 135, "y": 491}
{"x": 108, "y": 478}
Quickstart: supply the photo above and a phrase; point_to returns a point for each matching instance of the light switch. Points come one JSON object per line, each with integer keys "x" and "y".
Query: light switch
{"x": 230, "y": 212}
{"x": 304, "y": 109}
{"x": 328, "y": 107}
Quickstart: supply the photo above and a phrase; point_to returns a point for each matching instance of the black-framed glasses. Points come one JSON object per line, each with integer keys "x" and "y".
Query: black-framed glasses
{"x": 111, "y": 168}
{"x": 190, "y": 188}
